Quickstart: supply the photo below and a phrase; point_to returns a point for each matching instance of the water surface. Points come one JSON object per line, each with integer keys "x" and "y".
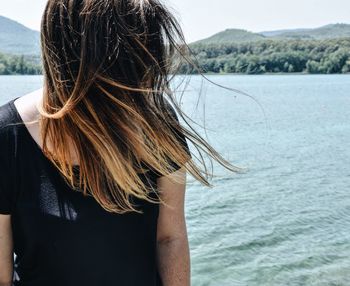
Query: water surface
{"x": 286, "y": 219}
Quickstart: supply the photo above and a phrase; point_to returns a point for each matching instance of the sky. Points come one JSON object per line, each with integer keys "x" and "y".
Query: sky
{"x": 203, "y": 18}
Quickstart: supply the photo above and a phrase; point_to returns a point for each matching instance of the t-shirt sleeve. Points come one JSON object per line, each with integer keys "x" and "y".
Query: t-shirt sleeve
{"x": 5, "y": 192}
{"x": 6, "y": 188}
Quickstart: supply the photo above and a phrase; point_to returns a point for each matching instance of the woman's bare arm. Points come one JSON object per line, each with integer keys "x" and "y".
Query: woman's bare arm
{"x": 172, "y": 242}
{"x": 6, "y": 251}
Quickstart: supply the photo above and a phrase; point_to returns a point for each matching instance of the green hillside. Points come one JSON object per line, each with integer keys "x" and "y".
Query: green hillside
{"x": 231, "y": 35}
{"x": 18, "y": 39}
{"x": 323, "y": 50}
{"x": 272, "y": 55}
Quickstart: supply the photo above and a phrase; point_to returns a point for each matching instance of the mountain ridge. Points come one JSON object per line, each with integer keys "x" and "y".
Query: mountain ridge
{"x": 16, "y": 38}
{"x": 330, "y": 31}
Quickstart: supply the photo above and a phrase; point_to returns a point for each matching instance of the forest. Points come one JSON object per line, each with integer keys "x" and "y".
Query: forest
{"x": 19, "y": 65}
{"x": 324, "y": 56}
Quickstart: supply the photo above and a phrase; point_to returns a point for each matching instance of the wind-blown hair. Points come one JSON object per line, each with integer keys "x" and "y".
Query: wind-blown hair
{"x": 107, "y": 69}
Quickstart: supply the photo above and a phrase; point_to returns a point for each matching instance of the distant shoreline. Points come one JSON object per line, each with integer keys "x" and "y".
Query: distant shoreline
{"x": 223, "y": 74}
{"x": 279, "y": 73}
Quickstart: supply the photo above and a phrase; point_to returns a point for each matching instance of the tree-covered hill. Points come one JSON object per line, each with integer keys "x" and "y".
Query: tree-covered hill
{"x": 231, "y": 35}
{"x": 273, "y": 56}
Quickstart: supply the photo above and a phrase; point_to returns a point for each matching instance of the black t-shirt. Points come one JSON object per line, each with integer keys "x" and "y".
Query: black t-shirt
{"x": 62, "y": 237}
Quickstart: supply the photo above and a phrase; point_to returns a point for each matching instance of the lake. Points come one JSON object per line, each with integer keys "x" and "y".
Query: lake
{"x": 285, "y": 220}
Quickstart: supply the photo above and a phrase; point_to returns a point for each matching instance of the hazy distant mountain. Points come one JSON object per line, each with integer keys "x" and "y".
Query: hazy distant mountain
{"x": 331, "y": 31}
{"x": 325, "y": 32}
{"x": 18, "y": 39}
{"x": 15, "y": 38}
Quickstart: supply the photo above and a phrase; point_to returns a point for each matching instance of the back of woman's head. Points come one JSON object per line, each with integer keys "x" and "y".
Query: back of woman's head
{"x": 86, "y": 42}
{"x": 107, "y": 67}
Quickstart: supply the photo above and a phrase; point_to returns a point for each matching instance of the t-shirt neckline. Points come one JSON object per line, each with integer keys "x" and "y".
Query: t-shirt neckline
{"x": 26, "y": 131}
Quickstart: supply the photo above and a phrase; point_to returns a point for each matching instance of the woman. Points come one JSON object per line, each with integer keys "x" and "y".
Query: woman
{"x": 93, "y": 166}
